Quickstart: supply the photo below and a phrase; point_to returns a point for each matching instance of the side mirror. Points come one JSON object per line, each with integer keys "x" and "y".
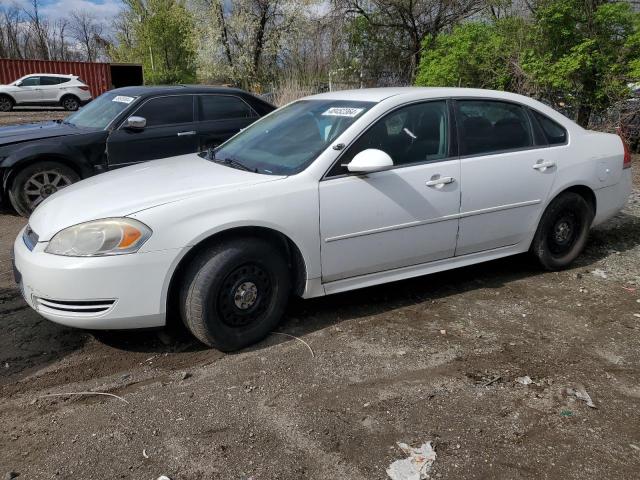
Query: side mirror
{"x": 370, "y": 160}
{"x": 135, "y": 123}
{"x": 18, "y": 84}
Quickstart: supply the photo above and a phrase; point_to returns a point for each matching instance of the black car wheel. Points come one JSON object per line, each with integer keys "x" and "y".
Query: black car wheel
{"x": 70, "y": 103}
{"x": 34, "y": 183}
{"x": 563, "y": 231}
{"x": 6, "y": 103}
{"x": 235, "y": 293}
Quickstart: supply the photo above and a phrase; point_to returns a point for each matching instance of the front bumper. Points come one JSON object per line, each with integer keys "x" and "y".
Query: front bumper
{"x": 116, "y": 292}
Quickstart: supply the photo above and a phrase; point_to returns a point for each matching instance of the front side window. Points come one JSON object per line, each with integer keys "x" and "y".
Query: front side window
{"x": 412, "y": 134}
{"x": 492, "y": 126}
{"x": 288, "y": 140}
{"x": 30, "y": 82}
{"x": 223, "y": 107}
{"x": 554, "y": 132}
{"x": 100, "y": 112}
{"x": 167, "y": 110}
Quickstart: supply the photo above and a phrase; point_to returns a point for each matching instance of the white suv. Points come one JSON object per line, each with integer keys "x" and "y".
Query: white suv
{"x": 67, "y": 91}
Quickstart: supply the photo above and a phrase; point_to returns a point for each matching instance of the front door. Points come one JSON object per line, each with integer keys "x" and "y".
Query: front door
{"x": 506, "y": 175}
{"x": 28, "y": 91}
{"x": 404, "y": 216}
{"x": 170, "y": 131}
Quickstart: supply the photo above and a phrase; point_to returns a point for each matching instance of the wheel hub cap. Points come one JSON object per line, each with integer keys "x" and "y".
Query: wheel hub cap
{"x": 245, "y": 295}
{"x": 562, "y": 232}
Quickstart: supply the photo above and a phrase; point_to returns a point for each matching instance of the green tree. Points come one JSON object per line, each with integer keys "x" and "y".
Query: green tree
{"x": 584, "y": 51}
{"x": 158, "y": 34}
{"x": 476, "y": 54}
{"x": 577, "y": 54}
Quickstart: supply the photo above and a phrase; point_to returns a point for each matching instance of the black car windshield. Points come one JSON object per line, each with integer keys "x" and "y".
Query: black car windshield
{"x": 289, "y": 139}
{"x": 100, "y": 112}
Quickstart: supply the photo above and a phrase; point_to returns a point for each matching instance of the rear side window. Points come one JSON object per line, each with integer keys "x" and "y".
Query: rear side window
{"x": 492, "y": 126}
{"x": 167, "y": 110}
{"x": 221, "y": 107}
{"x": 553, "y": 131}
{"x": 50, "y": 80}
{"x": 30, "y": 82}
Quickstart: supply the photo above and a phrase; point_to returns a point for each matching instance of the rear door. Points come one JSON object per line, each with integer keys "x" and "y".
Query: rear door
{"x": 49, "y": 88}
{"x": 170, "y": 131}
{"x": 506, "y": 174}
{"x": 220, "y": 117}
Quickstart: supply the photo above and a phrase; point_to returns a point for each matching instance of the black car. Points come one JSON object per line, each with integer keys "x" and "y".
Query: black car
{"x": 121, "y": 127}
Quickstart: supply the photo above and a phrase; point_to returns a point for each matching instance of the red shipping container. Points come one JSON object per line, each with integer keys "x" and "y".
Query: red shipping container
{"x": 96, "y": 75}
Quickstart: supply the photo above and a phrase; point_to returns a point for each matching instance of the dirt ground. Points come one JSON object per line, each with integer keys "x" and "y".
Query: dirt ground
{"x": 31, "y": 114}
{"x": 430, "y": 359}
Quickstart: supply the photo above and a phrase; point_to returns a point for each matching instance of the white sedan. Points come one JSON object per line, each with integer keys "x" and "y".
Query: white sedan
{"x": 333, "y": 192}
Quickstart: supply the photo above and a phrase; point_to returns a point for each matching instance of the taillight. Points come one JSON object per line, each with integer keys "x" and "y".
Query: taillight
{"x": 83, "y": 87}
{"x": 626, "y": 162}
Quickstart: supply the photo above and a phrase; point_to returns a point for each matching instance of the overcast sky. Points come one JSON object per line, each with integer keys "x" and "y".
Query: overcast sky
{"x": 54, "y": 9}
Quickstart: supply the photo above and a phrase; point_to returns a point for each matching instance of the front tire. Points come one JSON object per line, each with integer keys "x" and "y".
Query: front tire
{"x": 6, "y": 103}
{"x": 70, "y": 103}
{"x": 235, "y": 293}
{"x": 37, "y": 181}
{"x": 563, "y": 231}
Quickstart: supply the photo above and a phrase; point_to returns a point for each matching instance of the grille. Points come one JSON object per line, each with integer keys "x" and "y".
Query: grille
{"x": 30, "y": 238}
{"x": 75, "y": 308}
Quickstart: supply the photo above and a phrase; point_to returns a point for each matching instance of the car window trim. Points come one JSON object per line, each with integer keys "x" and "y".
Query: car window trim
{"x": 199, "y": 107}
{"x": 148, "y": 99}
{"x": 452, "y": 143}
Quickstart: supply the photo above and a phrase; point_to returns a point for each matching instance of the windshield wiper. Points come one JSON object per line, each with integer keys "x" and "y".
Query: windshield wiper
{"x": 234, "y": 164}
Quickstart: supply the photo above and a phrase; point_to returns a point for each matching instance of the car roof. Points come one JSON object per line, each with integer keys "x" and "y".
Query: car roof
{"x": 380, "y": 94}
{"x": 64, "y": 75}
{"x": 139, "y": 91}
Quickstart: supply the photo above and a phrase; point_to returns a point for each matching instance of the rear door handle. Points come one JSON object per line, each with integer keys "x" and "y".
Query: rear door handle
{"x": 185, "y": 134}
{"x": 541, "y": 165}
{"x": 440, "y": 181}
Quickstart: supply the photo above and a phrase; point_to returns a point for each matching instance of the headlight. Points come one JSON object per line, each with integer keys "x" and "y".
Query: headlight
{"x": 111, "y": 236}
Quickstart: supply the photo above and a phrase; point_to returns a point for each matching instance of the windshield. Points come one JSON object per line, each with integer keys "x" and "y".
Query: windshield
{"x": 289, "y": 139}
{"x": 100, "y": 112}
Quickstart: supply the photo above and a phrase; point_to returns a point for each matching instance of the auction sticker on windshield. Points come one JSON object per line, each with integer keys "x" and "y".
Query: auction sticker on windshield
{"x": 123, "y": 99}
{"x": 343, "y": 112}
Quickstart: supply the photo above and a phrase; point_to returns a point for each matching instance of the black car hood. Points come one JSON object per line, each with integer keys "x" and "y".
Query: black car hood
{"x": 35, "y": 131}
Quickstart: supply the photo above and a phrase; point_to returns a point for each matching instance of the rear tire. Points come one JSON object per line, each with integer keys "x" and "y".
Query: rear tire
{"x": 234, "y": 293}
{"x": 35, "y": 182}
{"x": 70, "y": 103}
{"x": 6, "y": 103}
{"x": 563, "y": 231}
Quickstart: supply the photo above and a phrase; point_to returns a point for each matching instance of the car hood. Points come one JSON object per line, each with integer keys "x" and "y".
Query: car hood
{"x": 35, "y": 131}
{"x": 131, "y": 189}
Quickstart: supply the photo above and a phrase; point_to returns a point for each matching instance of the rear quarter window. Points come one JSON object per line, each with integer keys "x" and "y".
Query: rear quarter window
{"x": 553, "y": 131}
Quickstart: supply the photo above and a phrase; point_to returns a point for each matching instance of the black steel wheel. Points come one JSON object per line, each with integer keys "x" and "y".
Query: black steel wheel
{"x": 234, "y": 293}
{"x": 563, "y": 231}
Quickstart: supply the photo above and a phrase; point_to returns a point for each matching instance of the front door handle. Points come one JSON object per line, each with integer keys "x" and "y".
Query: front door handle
{"x": 541, "y": 165}
{"x": 439, "y": 181}
{"x": 186, "y": 134}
